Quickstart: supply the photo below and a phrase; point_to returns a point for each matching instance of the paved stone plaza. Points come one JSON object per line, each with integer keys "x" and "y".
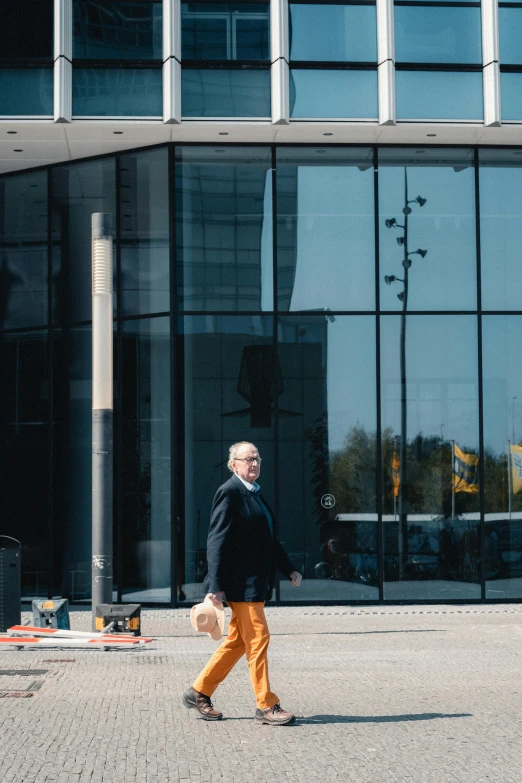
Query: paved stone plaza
{"x": 421, "y": 694}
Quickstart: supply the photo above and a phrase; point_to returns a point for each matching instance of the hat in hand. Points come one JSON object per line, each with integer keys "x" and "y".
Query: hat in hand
{"x": 207, "y": 618}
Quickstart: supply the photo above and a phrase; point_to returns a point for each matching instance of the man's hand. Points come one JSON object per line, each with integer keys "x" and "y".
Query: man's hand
{"x": 295, "y": 578}
{"x": 216, "y": 599}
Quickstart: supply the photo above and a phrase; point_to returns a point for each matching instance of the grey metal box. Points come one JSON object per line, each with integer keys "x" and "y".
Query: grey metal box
{"x": 52, "y": 613}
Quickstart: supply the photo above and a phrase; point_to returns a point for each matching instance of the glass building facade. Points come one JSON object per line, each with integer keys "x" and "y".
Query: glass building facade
{"x": 352, "y": 310}
{"x": 317, "y": 233}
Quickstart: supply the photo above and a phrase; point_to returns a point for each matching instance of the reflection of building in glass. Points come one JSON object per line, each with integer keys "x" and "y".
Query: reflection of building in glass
{"x": 252, "y": 155}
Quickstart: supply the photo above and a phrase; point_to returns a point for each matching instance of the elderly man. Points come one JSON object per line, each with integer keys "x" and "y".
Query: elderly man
{"x": 243, "y": 557}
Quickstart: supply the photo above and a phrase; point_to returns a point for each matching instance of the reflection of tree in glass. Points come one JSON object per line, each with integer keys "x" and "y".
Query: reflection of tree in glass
{"x": 352, "y": 472}
{"x": 429, "y": 477}
{"x": 347, "y": 473}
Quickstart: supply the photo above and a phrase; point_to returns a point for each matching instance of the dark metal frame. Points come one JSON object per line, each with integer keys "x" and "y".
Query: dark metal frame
{"x": 176, "y": 369}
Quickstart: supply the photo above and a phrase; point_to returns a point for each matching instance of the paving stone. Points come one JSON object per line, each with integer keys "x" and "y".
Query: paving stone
{"x": 427, "y": 694}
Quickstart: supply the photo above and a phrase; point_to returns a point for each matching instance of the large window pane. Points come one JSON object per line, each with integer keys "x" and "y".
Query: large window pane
{"x": 144, "y": 205}
{"x": 72, "y": 458}
{"x": 428, "y": 34}
{"x": 145, "y": 458}
{"x": 332, "y": 94}
{"x": 325, "y": 232}
{"x": 117, "y": 92}
{"x": 503, "y": 455}
{"x": 501, "y": 228}
{"x": 23, "y": 250}
{"x": 73, "y": 461}
{"x": 225, "y": 92}
{"x": 439, "y": 95}
{"x": 327, "y": 430}
{"x": 427, "y": 216}
{"x": 114, "y": 29}
{"x": 230, "y": 374}
{"x": 341, "y": 33}
{"x": 431, "y": 545}
{"x": 511, "y": 88}
{"x": 24, "y": 463}
{"x": 26, "y": 30}
{"x": 510, "y": 31}
{"x": 26, "y": 92}
{"x": 225, "y": 31}
{"x": 78, "y": 191}
{"x": 224, "y": 228}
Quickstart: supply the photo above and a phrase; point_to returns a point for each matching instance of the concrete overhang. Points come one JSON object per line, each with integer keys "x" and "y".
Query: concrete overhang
{"x": 29, "y": 143}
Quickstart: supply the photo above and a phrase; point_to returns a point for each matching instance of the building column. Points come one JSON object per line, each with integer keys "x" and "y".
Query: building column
{"x": 62, "y": 60}
{"x": 172, "y": 61}
{"x": 280, "y": 55}
{"x": 491, "y": 63}
{"x": 386, "y": 62}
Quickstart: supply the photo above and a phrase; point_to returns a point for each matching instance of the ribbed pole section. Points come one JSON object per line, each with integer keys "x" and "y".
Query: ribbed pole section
{"x": 102, "y": 411}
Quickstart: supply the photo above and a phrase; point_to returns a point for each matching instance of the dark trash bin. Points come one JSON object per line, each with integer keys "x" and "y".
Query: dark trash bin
{"x": 10, "y": 583}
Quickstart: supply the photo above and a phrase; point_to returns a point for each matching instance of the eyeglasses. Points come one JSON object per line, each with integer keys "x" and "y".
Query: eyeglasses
{"x": 250, "y": 460}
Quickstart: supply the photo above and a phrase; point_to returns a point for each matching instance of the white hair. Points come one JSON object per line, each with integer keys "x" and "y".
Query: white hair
{"x": 233, "y": 450}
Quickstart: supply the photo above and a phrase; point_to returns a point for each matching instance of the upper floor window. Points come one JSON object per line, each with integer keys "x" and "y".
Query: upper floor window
{"x": 510, "y": 29}
{"x": 333, "y": 60}
{"x": 117, "y": 30}
{"x": 117, "y": 58}
{"x": 26, "y": 58}
{"x": 26, "y": 30}
{"x": 333, "y": 32}
{"x": 225, "y": 31}
{"x": 439, "y": 60}
{"x": 225, "y": 51}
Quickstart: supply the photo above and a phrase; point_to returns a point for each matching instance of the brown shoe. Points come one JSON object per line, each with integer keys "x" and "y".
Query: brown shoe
{"x": 274, "y": 716}
{"x": 202, "y": 703}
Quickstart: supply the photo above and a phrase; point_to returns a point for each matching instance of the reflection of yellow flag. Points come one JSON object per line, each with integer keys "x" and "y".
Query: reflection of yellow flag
{"x": 465, "y": 471}
{"x": 516, "y": 469}
{"x": 396, "y": 474}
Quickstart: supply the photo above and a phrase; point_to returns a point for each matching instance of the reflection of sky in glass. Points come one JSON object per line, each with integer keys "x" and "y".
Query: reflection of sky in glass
{"x": 511, "y": 91}
{"x": 502, "y": 372}
{"x": 442, "y": 384}
{"x": 510, "y": 24}
{"x": 333, "y": 32}
{"x": 350, "y": 377}
{"x": 333, "y": 94}
{"x": 439, "y": 95}
{"x": 501, "y": 233}
{"x": 444, "y": 226}
{"x": 437, "y": 34}
{"x": 335, "y": 239}
{"x": 350, "y": 383}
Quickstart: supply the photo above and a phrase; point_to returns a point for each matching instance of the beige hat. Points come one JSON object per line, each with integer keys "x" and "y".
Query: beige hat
{"x": 206, "y": 617}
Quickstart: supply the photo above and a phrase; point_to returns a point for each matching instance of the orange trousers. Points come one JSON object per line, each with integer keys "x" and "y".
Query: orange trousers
{"x": 247, "y": 634}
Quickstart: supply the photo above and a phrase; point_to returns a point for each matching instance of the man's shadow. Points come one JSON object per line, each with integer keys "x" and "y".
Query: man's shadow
{"x": 322, "y": 719}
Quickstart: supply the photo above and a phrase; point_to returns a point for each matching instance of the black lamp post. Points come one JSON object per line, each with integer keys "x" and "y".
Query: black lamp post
{"x": 402, "y": 241}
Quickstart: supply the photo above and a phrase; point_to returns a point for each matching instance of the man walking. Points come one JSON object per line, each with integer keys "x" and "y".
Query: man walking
{"x": 243, "y": 557}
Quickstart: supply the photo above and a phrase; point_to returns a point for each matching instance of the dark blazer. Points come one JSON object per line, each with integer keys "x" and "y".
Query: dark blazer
{"x": 242, "y": 555}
